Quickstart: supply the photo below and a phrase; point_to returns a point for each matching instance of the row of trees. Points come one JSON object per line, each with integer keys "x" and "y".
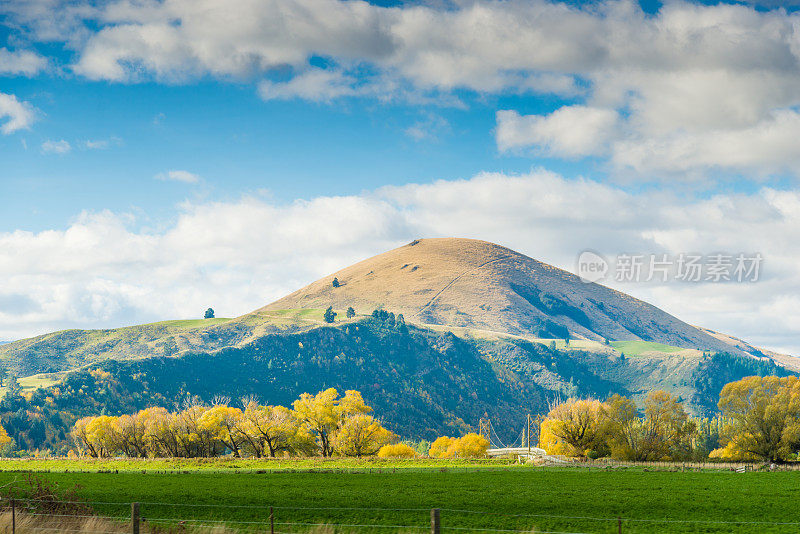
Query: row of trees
{"x": 324, "y": 424}
{"x": 588, "y": 427}
{"x": 759, "y": 419}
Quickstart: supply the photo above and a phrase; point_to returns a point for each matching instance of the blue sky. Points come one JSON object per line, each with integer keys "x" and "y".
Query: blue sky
{"x": 152, "y": 148}
{"x": 237, "y": 143}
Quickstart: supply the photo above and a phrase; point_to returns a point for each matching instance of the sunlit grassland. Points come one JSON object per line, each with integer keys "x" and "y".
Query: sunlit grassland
{"x": 636, "y": 348}
{"x": 518, "y": 498}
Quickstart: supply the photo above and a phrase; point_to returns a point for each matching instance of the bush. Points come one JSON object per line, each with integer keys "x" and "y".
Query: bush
{"x": 440, "y": 447}
{"x": 399, "y": 450}
{"x": 470, "y": 446}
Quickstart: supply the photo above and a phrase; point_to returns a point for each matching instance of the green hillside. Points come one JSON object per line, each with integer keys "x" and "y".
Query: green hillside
{"x": 71, "y": 349}
{"x": 422, "y": 382}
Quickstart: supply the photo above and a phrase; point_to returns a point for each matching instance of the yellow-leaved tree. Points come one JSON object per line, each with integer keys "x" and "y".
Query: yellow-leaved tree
{"x": 575, "y": 427}
{"x": 97, "y": 435}
{"x": 469, "y": 446}
{"x": 222, "y": 424}
{"x": 761, "y": 418}
{"x": 5, "y": 439}
{"x": 131, "y": 435}
{"x": 440, "y": 447}
{"x": 161, "y": 432}
{"x": 361, "y": 435}
{"x": 269, "y": 430}
{"x": 324, "y": 413}
{"x": 664, "y": 433}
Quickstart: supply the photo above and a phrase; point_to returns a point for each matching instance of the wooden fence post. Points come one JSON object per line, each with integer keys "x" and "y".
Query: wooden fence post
{"x": 434, "y": 521}
{"x": 135, "y": 517}
{"x": 271, "y": 521}
{"x": 13, "y": 516}
{"x": 619, "y": 525}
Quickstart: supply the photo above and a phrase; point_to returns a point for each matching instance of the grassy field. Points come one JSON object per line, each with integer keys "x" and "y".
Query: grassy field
{"x": 635, "y": 348}
{"x": 519, "y": 498}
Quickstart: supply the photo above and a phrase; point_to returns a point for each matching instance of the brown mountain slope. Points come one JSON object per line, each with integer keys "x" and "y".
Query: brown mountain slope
{"x": 476, "y": 284}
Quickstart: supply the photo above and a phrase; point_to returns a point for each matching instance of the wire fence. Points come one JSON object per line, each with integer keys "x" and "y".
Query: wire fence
{"x": 18, "y": 516}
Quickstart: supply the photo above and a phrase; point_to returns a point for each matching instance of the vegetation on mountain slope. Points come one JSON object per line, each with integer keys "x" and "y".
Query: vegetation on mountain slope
{"x": 424, "y": 383}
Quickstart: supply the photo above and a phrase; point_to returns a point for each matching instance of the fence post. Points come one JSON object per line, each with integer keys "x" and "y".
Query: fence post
{"x": 434, "y": 521}
{"x": 271, "y": 521}
{"x": 135, "y": 517}
{"x": 13, "y": 516}
{"x": 619, "y": 525}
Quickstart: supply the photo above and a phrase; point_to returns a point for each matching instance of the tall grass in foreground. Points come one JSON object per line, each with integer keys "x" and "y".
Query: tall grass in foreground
{"x": 39, "y": 523}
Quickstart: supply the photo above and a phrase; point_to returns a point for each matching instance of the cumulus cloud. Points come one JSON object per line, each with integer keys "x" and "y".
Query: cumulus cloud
{"x": 317, "y": 85}
{"x": 178, "y": 176}
{"x": 21, "y": 62}
{"x": 674, "y": 79}
{"x": 14, "y": 114}
{"x": 765, "y": 147}
{"x": 56, "y": 147}
{"x": 570, "y": 131}
{"x": 238, "y": 256}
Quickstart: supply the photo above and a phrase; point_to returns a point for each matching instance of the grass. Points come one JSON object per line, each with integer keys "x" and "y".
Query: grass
{"x": 306, "y": 314}
{"x": 189, "y": 323}
{"x": 519, "y": 498}
{"x": 637, "y": 348}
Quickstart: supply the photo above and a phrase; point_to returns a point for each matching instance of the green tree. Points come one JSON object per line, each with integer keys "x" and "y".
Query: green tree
{"x": 3, "y": 374}
{"x": 664, "y": 433}
{"x": 329, "y": 315}
{"x": 14, "y": 387}
{"x": 336, "y": 282}
{"x": 209, "y": 314}
{"x": 350, "y": 312}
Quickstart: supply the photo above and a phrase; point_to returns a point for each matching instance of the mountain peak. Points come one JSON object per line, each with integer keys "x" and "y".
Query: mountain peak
{"x": 477, "y": 284}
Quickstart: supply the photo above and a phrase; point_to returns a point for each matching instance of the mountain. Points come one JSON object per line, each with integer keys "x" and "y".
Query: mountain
{"x": 476, "y": 284}
{"x": 486, "y": 332}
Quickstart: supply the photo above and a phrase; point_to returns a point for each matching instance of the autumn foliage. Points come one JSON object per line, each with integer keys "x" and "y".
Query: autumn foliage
{"x": 761, "y": 419}
{"x": 324, "y": 424}
{"x": 589, "y": 428}
{"x": 397, "y": 450}
{"x": 469, "y": 446}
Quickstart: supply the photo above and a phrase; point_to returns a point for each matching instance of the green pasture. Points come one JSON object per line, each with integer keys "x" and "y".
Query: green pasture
{"x": 484, "y": 498}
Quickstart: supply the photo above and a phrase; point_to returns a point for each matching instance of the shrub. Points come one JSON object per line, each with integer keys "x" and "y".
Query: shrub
{"x": 399, "y": 450}
{"x": 470, "y": 446}
{"x": 440, "y": 447}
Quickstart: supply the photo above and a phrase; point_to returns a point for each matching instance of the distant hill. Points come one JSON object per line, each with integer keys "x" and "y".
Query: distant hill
{"x": 476, "y": 284}
{"x": 487, "y": 331}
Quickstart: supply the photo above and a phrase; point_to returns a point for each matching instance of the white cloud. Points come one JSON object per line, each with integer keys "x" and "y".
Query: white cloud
{"x": 18, "y": 115}
{"x": 238, "y": 256}
{"x": 317, "y": 85}
{"x": 768, "y": 146}
{"x": 685, "y": 74}
{"x": 101, "y": 144}
{"x": 570, "y": 131}
{"x": 22, "y": 62}
{"x": 56, "y": 147}
{"x": 179, "y": 176}
{"x": 428, "y": 128}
